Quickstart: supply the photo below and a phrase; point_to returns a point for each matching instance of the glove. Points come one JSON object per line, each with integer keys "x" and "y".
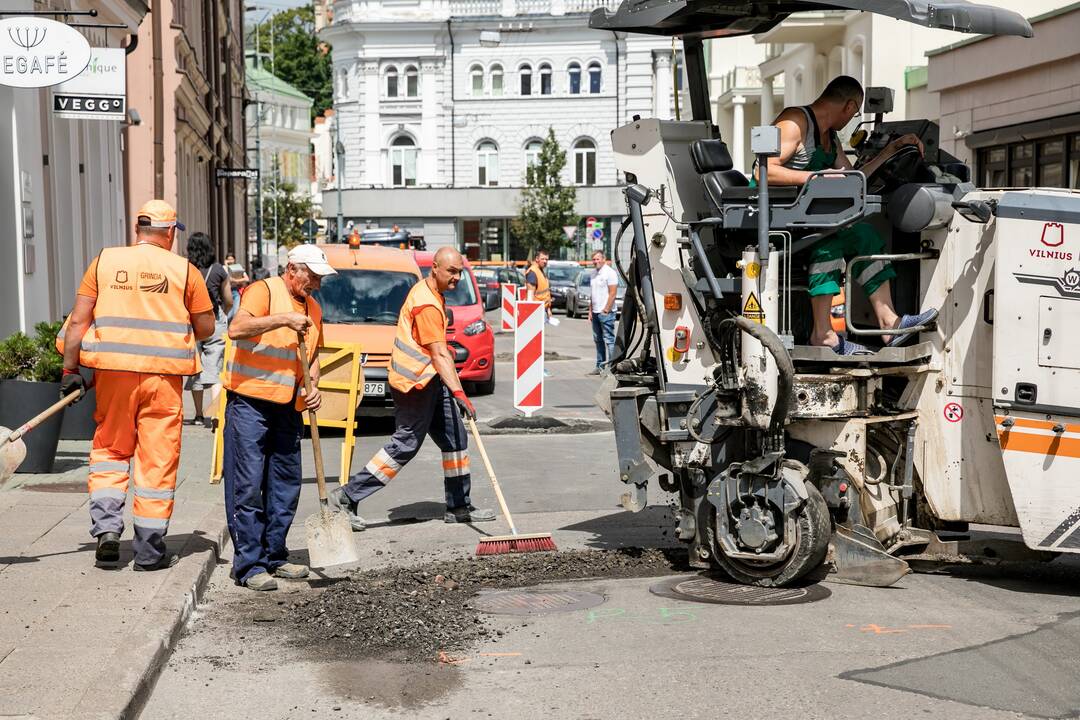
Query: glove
{"x": 72, "y": 382}
{"x": 466, "y": 407}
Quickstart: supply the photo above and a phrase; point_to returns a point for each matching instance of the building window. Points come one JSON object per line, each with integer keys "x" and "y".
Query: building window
{"x": 403, "y": 162}
{"x": 532, "y": 153}
{"x": 594, "y": 78}
{"x": 574, "y": 77}
{"x": 487, "y": 164}
{"x": 477, "y": 74}
{"x": 412, "y": 82}
{"x": 1048, "y": 162}
{"x": 1074, "y": 164}
{"x": 525, "y": 75}
{"x": 391, "y": 82}
{"x": 994, "y": 167}
{"x": 585, "y": 162}
{"x": 1051, "y": 169}
{"x": 1022, "y": 165}
{"x": 545, "y": 79}
{"x": 496, "y": 80}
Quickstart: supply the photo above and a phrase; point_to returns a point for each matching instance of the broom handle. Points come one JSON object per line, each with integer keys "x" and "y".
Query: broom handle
{"x": 44, "y": 415}
{"x": 313, "y": 421}
{"x": 491, "y": 474}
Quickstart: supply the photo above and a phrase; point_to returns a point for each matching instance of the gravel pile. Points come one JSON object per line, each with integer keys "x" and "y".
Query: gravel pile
{"x": 414, "y": 613}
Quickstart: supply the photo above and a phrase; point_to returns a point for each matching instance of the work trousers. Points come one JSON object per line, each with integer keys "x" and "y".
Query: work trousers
{"x": 432, "y": 411}
{"x": 828, "y": 258}
{"x": 603, "y": 335}
{"x": 138, "y": 416}
{"x": 261, "y": 468}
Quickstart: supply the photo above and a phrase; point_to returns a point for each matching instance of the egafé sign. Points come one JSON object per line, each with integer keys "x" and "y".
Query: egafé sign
{"x": 36, "y": 52}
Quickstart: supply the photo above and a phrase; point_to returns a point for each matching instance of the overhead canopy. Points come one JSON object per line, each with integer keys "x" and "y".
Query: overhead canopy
{"x": 725, "y": 18}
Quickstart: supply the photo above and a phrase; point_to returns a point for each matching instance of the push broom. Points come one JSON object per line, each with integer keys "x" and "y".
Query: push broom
{"x": 515, "y": 542}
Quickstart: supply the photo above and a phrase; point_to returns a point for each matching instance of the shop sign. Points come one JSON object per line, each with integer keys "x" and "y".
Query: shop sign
{"x": 37, "y": 52}
{"x": 99, "y": 93}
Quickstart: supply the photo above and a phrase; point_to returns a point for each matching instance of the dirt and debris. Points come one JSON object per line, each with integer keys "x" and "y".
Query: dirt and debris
{"x": 549, "y": 356}
{"x": 414, "y": 613}
{"x": 542, "y": 425}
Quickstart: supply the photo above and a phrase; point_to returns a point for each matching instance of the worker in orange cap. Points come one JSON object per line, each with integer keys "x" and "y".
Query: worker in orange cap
{"x": 137, "y": 315}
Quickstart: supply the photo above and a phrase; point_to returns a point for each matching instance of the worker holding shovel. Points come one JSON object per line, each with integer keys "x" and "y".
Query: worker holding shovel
{"x": 263, "y": 423}
{"x": 137, "y": 315}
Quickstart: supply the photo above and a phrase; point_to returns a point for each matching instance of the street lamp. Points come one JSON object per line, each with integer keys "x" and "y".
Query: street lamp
{"x": 339, "y": 155}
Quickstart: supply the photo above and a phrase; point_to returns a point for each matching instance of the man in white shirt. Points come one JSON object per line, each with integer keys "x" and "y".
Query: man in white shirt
{"x": 604, "y": 287}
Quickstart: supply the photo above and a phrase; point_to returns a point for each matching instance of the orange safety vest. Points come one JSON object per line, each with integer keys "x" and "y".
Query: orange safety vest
{"x": 141, "y": 320}
{"x": 410, "y": 362}
{"x": 267, "y": 366}
{"x": 543, "y": 288}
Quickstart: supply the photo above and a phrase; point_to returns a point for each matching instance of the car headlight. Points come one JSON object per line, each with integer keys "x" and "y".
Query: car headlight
{"x": 475, "y": 328}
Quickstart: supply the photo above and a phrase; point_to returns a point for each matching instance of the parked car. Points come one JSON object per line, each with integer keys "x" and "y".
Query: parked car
{"x": 490, "y": 277}
{"x": 468, "y": 334}
{"x": 560, "y": 275}
{"x": 577, "y": 302}
{"x": 361, "y": 303}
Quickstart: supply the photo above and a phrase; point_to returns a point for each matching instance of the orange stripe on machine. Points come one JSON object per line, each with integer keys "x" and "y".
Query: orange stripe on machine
{"x": 1056, "y": 446}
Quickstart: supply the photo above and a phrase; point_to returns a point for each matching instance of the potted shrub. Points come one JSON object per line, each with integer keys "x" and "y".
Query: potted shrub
{"x": 30, "y": 371}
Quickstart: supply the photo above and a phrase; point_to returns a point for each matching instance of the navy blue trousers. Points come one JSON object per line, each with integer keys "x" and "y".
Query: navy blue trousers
{"x": 417, "y": 414}
{"x": 262, "y": 481}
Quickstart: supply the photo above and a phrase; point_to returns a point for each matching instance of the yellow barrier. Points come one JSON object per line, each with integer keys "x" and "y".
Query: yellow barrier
{"x": 341, "y": 382}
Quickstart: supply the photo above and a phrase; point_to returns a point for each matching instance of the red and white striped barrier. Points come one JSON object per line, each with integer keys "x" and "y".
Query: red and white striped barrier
{"x": 508, "y": 292}
{"x": 523, "y": 293}
{"x": 529, "y": 357}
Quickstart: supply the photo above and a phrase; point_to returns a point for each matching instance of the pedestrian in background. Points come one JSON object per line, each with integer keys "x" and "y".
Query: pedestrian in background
{"x": 238, "y": 280}
{"x": 138, "y": 314}
{"x": 263, "y": 425}
{"x": 200, "y": 252}
{"x": 603, "y": 289}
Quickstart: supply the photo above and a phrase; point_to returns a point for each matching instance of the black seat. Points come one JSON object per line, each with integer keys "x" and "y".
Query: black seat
{"x": 713, "y": 162}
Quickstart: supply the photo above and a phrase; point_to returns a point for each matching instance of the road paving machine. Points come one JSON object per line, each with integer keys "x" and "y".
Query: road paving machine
{"x": 788, "y": 459}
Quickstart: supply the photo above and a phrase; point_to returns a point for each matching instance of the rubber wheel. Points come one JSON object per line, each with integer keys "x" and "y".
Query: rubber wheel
{"x": 813, "y": 529}
{"x": 487, "y": 387}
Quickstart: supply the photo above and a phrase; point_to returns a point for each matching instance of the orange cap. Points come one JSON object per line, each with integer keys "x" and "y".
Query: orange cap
{"x": 160, "y": 214}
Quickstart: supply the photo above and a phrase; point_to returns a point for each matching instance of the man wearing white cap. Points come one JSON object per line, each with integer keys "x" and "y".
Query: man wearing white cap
{"x": 263, "y": 422}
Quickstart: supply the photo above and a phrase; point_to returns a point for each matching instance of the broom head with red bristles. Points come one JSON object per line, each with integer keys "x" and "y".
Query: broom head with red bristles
{"x": 506, "y": 544}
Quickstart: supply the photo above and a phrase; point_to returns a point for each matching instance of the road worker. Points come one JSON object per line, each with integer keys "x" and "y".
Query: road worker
{"x": 428, "y": 400}
{"x": 137, "y": 316}
{"x": 263, "y": 422}
{"x": 537, "y": 283}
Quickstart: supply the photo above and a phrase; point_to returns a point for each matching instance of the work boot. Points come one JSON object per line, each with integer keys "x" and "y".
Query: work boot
{"x": 594, "y": 371}
{"x": 291, "y": 571}
{"x": 468, "y": 514}
{"x": 261, "y": 581}
{"x": 108, "y": 548}
{"x": 165, "y": 562}
{"x": 343, "y": 501}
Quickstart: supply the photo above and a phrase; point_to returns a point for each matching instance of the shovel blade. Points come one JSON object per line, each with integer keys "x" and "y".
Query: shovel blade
{"x": 12, "y": 455}
{"x": 859, "y": 559}
{"x": 330, "y": 540}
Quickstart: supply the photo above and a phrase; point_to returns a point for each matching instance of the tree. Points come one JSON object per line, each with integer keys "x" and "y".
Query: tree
{"x": 546, "y": 206}
{"x": 292, "y": 209}
{"x": 299, "y": 57}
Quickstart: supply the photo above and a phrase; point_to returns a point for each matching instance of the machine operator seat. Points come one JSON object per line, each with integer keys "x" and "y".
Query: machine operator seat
{"x": 723, "y": 184}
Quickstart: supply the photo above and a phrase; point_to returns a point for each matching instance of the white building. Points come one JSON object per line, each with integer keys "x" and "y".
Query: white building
{"x": 440, "y": 104}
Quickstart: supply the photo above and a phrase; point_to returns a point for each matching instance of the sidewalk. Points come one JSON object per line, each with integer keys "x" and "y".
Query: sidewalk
{"x": 78, "y": 641}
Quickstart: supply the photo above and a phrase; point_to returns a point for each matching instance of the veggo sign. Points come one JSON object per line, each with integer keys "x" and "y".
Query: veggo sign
{"x": 35, "y": 52}
{"x": 99, "y": 93}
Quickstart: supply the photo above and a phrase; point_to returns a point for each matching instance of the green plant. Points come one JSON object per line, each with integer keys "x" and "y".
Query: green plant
{"x": 546, "y": 205}
{"x": 32, "y": 358}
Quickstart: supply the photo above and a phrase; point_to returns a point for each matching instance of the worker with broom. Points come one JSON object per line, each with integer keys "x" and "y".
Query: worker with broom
{"x": 428, "y": 400}
{"x": 137, "y": 315}
{"x": 263, "y": 423}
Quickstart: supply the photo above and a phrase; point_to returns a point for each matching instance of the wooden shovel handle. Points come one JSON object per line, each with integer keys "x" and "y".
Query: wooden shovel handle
{"x": 45, "y": 415}
{"x": 491, "y": 474}
{"x": 316, "y": 447}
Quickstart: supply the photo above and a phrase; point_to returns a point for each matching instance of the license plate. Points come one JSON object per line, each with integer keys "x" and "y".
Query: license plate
{"x": 375, "y": 388}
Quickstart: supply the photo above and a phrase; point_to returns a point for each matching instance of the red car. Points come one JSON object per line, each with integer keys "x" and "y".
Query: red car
{"x": 469, "y": 334}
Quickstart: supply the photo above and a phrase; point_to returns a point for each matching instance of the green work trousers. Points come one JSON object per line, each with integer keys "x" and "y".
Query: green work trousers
{"x": 828, "y": 258}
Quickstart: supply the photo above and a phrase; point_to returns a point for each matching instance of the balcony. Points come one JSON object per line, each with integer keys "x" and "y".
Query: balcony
{"x": 807, "y": 27}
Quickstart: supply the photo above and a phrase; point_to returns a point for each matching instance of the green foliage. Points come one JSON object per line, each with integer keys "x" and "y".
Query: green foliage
{"x": 546, "y": 206}
{"x": 293, "y": 209}
{"x": 32, "y": 358}
{"x": 300, "y": 58}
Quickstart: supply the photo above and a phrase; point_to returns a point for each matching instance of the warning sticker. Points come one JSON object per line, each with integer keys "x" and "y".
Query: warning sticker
{"x": 752, "y": 309}
{"x": 954, "y": 413}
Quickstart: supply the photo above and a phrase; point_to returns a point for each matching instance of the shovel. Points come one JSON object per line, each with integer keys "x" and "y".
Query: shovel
{"x": 13, "y": 449}
{"x": 329, "y": 535}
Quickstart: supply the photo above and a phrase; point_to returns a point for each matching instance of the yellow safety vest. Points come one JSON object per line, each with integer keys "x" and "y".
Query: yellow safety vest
{"x": 543, "y": 288}
{"x": 410, "y": 362}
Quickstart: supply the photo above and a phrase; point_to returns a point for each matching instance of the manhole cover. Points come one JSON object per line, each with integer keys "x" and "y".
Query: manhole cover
{"x": 709, "y": 590}
{"x": 534, "y": 602}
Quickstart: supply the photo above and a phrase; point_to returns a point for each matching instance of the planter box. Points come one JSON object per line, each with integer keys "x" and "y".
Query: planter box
{"x": 21, "y": 400}
{"x": 79, "y": 419}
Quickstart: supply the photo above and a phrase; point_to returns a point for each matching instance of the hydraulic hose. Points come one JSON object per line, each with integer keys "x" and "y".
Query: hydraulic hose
{"x": 784, "y": 368}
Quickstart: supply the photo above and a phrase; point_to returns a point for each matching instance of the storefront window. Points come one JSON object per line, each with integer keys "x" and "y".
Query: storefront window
{"x": 1074, "y": 163}
{"x": 1022, "y": 165}
{"x": 1052, "y": 163}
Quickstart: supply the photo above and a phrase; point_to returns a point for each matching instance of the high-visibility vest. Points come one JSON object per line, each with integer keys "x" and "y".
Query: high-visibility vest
{"x": 267, "y": 366}
{"x": 543, "y": 288}
{"x": 410, "y": 362}
{"x": 141, "y": 321}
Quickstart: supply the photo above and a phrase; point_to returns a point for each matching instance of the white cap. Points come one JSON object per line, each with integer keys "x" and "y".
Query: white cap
{"x": 313, "y": 257}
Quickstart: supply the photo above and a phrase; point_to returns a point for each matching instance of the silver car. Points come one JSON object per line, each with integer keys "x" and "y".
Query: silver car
{"x": 577, "y": 302}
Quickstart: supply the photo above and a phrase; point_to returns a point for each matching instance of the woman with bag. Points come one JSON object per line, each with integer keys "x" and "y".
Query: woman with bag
{"x": 200, "y": 252}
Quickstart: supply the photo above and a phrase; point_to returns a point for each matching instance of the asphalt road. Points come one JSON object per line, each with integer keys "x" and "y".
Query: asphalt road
{"x": 982, "y": 643}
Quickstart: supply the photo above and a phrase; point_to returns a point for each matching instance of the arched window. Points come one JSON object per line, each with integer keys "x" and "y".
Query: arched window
{"x": 595, "y": 76}
{"x": 574, "y": 76}
{"x": 585, "y": 162}
{"x": 403, "y": 153}
{"x": 412, "y": 81}
{"x": 525, "y": 76}
{"x": 487, "y": 164}
{"x": 545, "y": 79}
{"x": 532, "y": 152}
{"x": 477, "y": 74}
{"x": 391, "y": 81}
{"x": 496, "y": 80}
